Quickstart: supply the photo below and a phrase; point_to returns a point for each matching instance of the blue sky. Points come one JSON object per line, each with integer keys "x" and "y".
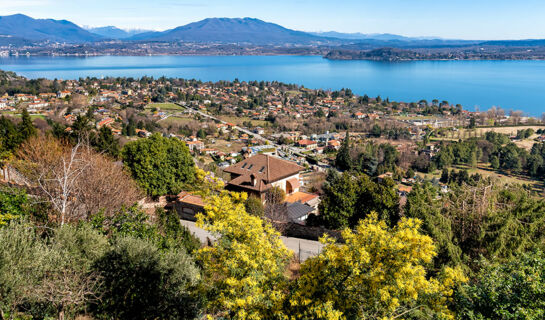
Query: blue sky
{"x": 461, "y": 19}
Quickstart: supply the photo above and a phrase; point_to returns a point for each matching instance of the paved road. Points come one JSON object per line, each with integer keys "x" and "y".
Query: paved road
{"x": 302, "y": 248}
{"x": 292, "y": 150}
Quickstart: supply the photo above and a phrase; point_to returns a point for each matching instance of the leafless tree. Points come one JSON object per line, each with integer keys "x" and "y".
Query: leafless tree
{"x": 515, "y": 116}
{"x": 66, "y": 288}
{"x": 60, "y": 183}
{"x": 74, "y": 179}
{"x": 276, "y": 210}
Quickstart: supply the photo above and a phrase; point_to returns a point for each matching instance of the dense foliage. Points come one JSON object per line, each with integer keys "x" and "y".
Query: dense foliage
{"x": 160, "y": 165}
{"x": 509, "y": 291}
{"x": 128, "y": 272}
{"x": 485, "y": 220}
{"x": 349, "y": 198}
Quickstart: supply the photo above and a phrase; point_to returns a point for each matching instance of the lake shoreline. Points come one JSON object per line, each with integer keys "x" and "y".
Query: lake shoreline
{"x": 475, "y": 84}
{"x": 78, "y": 55}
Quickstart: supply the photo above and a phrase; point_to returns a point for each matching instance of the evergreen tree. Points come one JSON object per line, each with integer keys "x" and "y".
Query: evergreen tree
{"x": 343, "y": 160}
{"x": 105, "y": 141}
{"x": 445, "y": 176}
{"x": 201, "y": 134}
{"x": 26, "y": 128}
{"x": 9, "y": 137}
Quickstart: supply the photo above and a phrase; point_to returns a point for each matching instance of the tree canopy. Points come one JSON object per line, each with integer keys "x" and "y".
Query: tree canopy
{"x": 348, "y": 198}
{"x": 160, "y": 165}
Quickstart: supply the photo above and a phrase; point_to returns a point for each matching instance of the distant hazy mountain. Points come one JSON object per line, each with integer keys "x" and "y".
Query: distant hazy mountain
{"x": 516, "y": 43}
{"x": 112, "y": 32}
{"x": 24, "y": 27}
{"x": 370, "y": 36}
{"x": 361, "y": 36}
{"x": 228, "y": 30}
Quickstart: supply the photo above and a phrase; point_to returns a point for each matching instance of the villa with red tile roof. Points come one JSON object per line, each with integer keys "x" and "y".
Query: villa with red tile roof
{"x": 307, "y": 144}
{"x": 257, "y": 174}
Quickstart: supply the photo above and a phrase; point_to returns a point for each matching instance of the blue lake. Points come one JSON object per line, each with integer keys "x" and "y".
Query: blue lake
{"x": 517, "y": 85}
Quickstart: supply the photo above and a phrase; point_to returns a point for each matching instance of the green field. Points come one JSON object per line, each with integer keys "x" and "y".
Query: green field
{"x": 165, "y": 106}
{"x": 37, "y": 116}
{"x": 17, "y": 114}
{"x": 239, "y": 120}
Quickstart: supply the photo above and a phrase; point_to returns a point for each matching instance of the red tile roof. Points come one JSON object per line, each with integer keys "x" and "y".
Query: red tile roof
{"x": 189, "y": 198}
{"x": 300, "y": 196}
{"x": 260, "y": 171}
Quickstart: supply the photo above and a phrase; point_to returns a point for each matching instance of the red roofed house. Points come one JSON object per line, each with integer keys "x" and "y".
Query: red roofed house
{"x": 359, "y": 115}
{"x": 307, "y": 144}
{"x": 257, "y": 174}
{"x": 333, "y": 144}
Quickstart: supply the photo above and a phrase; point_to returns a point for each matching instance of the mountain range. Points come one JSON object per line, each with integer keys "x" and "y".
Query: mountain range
{"x": 19, "y": 30}
{"x": 20, "y": 27}
{"x": 225, "y": 30}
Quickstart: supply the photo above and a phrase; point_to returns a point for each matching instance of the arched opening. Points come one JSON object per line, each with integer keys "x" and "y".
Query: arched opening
{"x": 289, "y": 188}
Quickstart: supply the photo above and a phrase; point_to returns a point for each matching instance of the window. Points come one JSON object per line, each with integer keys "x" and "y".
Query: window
{"x": 244, "y": 165}
{"x": 262, "y": 169}
{"x": 250, "y": 167}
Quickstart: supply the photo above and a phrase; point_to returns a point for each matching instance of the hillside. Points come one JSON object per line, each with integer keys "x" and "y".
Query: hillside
{"x": 20, "y": 26}
{"x": 239, "y": 30}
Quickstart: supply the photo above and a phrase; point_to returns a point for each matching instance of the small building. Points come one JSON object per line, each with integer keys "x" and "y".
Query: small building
{"x": 105, "y": 122}
{"x": 333, "y": 144}
{"x": 359, "y": 115}
{"x": 385, "y": 175}
{"x": 298, "y": 212}
{"x": 188, "y": 205}
{"x": 195, "y": 145}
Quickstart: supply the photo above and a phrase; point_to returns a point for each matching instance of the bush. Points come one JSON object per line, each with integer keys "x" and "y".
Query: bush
{"x": 512, "y": 290}
{"x": 141, "y": 282}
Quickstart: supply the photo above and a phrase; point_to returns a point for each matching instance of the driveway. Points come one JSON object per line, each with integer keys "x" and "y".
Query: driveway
{"x": 302, "y": 248}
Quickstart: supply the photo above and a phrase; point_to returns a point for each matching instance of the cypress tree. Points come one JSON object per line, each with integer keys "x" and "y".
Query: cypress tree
{"x": 343, "y": 160}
